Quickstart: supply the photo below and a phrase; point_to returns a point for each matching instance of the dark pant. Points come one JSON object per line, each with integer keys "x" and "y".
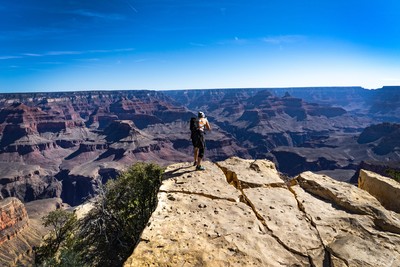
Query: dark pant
{"x": 199, "y": 141}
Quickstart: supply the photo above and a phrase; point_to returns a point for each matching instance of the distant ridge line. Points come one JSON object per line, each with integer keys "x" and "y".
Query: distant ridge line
{"x": 195, "y": 89}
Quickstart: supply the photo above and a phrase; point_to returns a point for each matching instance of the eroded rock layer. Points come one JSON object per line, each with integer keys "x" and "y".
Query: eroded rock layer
{"x": 241, "y": 213}
{"x": 64, "y": 144}
{"x": 13, "y": 218}
{"x": 18, "y": 234}
{"x": 23, "y": 229}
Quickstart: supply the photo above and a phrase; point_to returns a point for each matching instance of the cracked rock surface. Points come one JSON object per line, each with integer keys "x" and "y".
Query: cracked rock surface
{"x": 241, "y": 213}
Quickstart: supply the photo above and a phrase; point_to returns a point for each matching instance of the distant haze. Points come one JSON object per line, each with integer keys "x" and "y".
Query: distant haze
{"x": 57, "y": 45}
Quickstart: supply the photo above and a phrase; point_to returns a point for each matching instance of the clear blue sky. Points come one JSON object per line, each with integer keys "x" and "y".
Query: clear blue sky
{"x": 50, "y": 45}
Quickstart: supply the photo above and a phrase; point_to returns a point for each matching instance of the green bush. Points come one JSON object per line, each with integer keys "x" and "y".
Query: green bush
{"x": 111, "y": 230}
{"x": 394, "y": 174}
{"x": 107, "y": 235}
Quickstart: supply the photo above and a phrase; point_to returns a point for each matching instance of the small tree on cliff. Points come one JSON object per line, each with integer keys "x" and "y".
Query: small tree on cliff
{"x": 111, "y": 230}
{"x": 57, "y": 248}
{"x": 107, "y": 235}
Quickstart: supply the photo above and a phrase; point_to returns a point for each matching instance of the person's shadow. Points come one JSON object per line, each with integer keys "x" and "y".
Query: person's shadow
{"x": 176, "y": 172}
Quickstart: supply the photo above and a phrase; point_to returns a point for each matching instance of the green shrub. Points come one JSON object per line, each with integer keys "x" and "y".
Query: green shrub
{"x": 107, "y": 235}
{"x": 111, "y": 230}
{"x": 395, "y": 174}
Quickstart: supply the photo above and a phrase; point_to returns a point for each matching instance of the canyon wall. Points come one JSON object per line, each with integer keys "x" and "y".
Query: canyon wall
{"x": 22, "y": 229}
{"x": 64, "y": 144}
{"x": 13, "y": 220}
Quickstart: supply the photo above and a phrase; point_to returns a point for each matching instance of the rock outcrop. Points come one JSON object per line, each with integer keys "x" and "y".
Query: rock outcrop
{"x": 13, "y": 218}
{"x": 241, "y": 213}
{"x": 386, "y": 190}
{"x": 22, "y": 229}
{"x": 16, "y": 235}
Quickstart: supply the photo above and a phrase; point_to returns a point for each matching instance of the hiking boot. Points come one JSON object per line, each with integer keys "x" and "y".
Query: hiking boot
{"x": 194, "y": 163}
{"x": 200, "y": 168}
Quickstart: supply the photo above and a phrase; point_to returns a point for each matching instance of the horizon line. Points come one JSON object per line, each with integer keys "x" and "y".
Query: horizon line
{"x": 193, "y": 89}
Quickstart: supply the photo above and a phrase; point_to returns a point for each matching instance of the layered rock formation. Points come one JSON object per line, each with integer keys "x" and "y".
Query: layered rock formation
{"x": 22, "y": 229}
{"x": 13, "y": 218}
{"x": 295, "y": 134}
{"x": 281, "y": 123}
{"x": 241, "y": 213}
{"x": 65, "y": 144}
{"x": 380, "y": 104}
{"x": 384, "y": 138}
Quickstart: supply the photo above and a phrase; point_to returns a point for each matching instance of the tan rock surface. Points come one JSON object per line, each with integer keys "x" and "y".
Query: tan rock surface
{"x": 350, "y": 198}
{"x": 386, "y": 190}
{"x": 182, "y": 178}
{"x": 250, "y": 172}
{"x": 243, "y": 214}
{"x": 278, "y": 209}
{"x": 349, "y": 238}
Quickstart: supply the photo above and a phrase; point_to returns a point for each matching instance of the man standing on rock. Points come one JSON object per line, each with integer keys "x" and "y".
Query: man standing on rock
{"x": 198, "y": 140}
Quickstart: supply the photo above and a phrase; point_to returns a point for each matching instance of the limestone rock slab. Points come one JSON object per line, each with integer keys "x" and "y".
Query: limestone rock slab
{"x": 351, "y": 239}
{"x": 191, "y": 230}
{"x": 350, "y": 198}
{"x": 240, "y": 213}
{"x": 287, "y": 223}
{"x": 250, "y": 172}
{"x": 183, "y": 178}
{"x": 386, "y": 190}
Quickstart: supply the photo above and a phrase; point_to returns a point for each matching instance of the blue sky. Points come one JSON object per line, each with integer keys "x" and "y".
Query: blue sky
{"x": 52, "y": 45}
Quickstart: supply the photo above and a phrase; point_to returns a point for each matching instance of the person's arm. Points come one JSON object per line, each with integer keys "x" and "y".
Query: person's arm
{"x": 208, "y": 127}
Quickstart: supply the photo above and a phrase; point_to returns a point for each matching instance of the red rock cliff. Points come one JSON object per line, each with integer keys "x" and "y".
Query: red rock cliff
{"x": 13, "y": 218}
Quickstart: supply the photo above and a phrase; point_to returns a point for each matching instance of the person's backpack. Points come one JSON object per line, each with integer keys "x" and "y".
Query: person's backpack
{"x": 194, "y": 125}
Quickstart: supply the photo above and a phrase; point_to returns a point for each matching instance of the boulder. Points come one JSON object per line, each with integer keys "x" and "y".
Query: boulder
{"x": 385, "y": 189}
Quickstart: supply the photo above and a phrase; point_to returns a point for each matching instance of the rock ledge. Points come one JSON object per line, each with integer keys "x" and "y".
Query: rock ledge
{"x": 241, "y": 213}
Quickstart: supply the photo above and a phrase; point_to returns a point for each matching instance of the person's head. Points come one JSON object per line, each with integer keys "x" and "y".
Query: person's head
{"x": 201, "y": 114}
